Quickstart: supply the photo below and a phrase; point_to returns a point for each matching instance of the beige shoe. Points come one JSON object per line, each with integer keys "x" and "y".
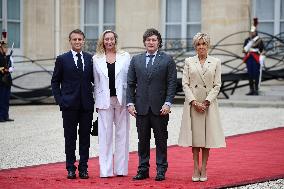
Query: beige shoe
{"x": 195, "y": 179}
{"x": 203, "y": 179}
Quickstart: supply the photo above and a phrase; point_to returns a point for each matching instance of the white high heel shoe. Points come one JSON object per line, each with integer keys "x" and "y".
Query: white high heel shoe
{"x": 195, "y": 179}
{"x": 203, "y": 179}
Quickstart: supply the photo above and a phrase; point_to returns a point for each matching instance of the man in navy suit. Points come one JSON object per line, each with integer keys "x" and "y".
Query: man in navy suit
{"x": 151, "y": 87}
{"x": 72, "y": 90}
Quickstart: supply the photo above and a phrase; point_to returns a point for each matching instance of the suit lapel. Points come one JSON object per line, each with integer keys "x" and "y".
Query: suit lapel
{"x": 118, "y": 63}
{"x": 86, "y": 61}
{"x": 102, "y": 64}
{"x": 156, "y": 63}
{"x": 142, "y": 63}
{"x": 199, "y": 69}
{"x": 207, "y": 64}
{"x": 72, "y": 61}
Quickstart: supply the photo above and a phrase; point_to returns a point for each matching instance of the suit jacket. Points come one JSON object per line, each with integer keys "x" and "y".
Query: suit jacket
{"x": 151, "y": 90}
{"x": 201, "y": 130}
{"x": 72, "y": 89}
{"x": 101, "y": 79}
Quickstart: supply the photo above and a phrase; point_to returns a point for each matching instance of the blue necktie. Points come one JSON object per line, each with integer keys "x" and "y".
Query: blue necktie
{"x": 79, "y": 62}
{"x": 150, "y": 63}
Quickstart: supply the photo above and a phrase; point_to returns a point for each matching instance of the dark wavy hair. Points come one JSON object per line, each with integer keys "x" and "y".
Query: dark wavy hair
{"x": 152, "y": 31}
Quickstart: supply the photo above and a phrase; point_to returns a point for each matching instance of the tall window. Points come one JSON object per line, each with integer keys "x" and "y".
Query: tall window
{"x": 270, "y": 15}
{"x": 99, "y": 15}
{"x": 182, "y": 19}
{"x": 10, "y": 18}
{"x": 282, "y": 18}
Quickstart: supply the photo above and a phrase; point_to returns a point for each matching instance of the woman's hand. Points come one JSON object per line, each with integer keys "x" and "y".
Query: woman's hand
{"x": 199, "y": 107}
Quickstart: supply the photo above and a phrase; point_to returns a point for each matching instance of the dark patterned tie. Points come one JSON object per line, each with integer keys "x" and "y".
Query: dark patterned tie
{"x": 150, "y": 63}
{"x": 79, "y": 62}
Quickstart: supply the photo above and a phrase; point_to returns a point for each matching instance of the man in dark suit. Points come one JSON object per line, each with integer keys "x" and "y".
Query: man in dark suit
{"x": 150, "y": 92}
{"x": 72, "y": 90}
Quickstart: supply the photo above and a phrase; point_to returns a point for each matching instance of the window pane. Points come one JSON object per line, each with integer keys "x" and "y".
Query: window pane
{"x": 282, "y": 10}
{"x": 173, "y": 31}
{"x": 109, "y": 11}
{"x": 266, "y": 27}
{"x": 265, "y": 9}
{"x": 109, "y": 28}
{"x": 91, "y": 11}
{"x": 1, "y": 11}
{"x": 282, "y": 28}
{"x": 14, "y": 34}
{"x": 13, "y": 9}
{"x": 92, "y": 32}
{"x": 194, "y": 11}
{"x": 173, "y": 11}
{"x": 192, "y": 30}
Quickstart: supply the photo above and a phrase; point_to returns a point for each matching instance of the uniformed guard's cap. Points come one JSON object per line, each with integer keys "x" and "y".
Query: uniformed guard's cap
{"x": 252, "y": 28}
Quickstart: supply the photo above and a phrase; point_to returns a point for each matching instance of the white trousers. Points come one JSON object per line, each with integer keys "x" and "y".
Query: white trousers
{"x": 116, "y": 116}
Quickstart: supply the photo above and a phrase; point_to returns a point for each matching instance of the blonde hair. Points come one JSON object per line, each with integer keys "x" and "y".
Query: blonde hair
{"x": 100, "y": 45}
{"x": 200, "y": 35}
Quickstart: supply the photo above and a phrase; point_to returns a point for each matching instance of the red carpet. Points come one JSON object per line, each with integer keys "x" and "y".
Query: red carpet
{"x": 248, "y": 158}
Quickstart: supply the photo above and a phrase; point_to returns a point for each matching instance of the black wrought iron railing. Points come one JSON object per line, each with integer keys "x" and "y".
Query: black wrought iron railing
{"x": 233, "y": 68}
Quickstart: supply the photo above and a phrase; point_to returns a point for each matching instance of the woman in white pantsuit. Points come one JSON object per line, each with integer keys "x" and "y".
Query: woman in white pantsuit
{"x": 110, "y": 80}
{"x": 200, "y": 126}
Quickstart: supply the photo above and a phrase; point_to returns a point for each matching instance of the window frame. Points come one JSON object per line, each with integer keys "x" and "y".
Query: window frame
{"x": 101, "y": 24}
{"x": 184, "y": 41}
{"x": 277, "y": 16}
{"x": 18, "y": 50}
{"x": 184, "y": 23}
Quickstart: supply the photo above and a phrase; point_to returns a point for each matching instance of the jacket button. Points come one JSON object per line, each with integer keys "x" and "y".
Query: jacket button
{"x": 204, "y": 86}
{"x": 195, "y": 86}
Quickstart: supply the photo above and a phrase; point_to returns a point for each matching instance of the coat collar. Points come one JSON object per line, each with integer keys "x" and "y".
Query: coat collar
{"x": 199, "y": 68}
{"x": 101, "y": 61}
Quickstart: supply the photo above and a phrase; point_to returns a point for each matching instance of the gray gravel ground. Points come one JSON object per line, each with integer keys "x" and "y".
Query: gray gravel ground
{"x": 36, "y": 135}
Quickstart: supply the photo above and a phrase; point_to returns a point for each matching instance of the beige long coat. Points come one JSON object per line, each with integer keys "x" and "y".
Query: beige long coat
{"x": 200, "y": 84}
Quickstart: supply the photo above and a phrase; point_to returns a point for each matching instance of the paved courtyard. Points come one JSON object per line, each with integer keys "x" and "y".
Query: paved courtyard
{"x": 36, "y": 135}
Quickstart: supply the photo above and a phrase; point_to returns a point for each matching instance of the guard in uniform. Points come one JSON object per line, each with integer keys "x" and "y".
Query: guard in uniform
{"x": 253, "y": 47}
{"x": 5, "y": 81}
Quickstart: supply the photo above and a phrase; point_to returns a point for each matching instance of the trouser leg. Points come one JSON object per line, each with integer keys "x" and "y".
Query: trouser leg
{"x": 4, "y": 102}
{"x": 121, "y": 153}
{"x": 70, "y": 122}
{"x": 105, "y": 132}
{"x": 144, "y": 135}
{"x": 159, "y": 125}
{"x": 85, "y": 125}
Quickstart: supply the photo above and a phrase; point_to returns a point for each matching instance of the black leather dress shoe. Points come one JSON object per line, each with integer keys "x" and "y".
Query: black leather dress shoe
{"x": 83, "y": 174}
{"x": 141, "y": 175}
{"x": 2, "y": 120}
{"x": 9, "y": 119}
{"x": 71, "y": 175}
{"x": 160, "y": 176}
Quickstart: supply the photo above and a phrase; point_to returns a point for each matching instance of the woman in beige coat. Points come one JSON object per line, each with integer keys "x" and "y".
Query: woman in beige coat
{"x": 200, "y": 126}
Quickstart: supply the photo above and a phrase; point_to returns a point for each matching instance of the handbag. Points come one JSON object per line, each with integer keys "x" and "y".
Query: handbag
{"x": 94, "y": 131}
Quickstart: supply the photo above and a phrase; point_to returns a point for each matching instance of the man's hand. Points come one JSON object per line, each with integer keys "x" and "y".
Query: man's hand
{"x": 2, "y": 69}
{"x": 166, "y": 109}
{"x": 131, "y": 110}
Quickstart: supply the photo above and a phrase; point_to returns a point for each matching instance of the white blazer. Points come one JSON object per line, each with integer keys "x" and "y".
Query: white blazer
{"x": 101, "y": 79}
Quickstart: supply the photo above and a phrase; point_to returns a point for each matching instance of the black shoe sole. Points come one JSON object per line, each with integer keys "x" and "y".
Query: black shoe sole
{"x": 69, "y": 177}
